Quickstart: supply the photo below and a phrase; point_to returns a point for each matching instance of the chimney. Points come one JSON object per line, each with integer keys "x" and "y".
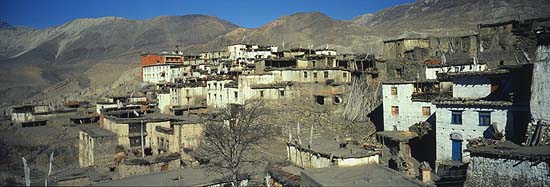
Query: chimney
{"x": 426, "y": 173}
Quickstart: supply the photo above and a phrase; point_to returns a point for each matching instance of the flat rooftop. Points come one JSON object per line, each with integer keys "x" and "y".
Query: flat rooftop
{"x": 97, "y": 132}
{"x": 514, "y": 151}
{"x": 401, "y": 136}
{"x": 470, "y": 102}
{"x": 287, "y": 175}
{"x": 178, "y": 177}
{"x": 326, "y": 147}
{"x": 369, "y": 175}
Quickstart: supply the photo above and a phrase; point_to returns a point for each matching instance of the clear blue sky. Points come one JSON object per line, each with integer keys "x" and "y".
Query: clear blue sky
{"x": 245, "y": 13}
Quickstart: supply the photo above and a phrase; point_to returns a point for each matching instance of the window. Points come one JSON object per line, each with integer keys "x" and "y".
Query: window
{"x": 325, "y": 74}
{"x": 236, "y": 94}
{"x": 394, "y": 90}
{"x": 456, "y": 117}
{"x": 314, "y": 74}
{"x": 398, "y": 73}
{"x": 426, "y": 111}
{"x": 320, "y": 99}
{"x": 305, "y": 74}
{"x": 313, "y": 63}
{"x": 484, "y": 118}
{"x": 337, "y": 99}
{"x": 282, "y": 92}
{"x": 345, "y": 75}
{"x": 262, "y": 93}
{"x": 394, "y": 110}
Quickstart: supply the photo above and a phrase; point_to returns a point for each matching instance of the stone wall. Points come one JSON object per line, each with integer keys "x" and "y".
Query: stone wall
{"x": 484, "y": 171}
{"x": 96, "y": 151}
{"x": 126, "y": 170}
{"x": 540, "y": 88}
{"x": 306, "y": 159}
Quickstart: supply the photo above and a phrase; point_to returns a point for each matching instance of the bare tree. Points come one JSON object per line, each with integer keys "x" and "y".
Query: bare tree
{"x": 231, "y": 138}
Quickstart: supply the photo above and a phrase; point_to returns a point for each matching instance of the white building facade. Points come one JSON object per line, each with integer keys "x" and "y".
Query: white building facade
{"x": 433, "y": 70}
{"x": 163, "y": 73}
{"x": 400, "y": 111}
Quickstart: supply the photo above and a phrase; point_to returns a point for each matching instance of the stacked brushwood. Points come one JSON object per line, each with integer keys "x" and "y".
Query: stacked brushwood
{"x": 421, "y": 128}
{"x": 480, "y": 142}
{"x": 364, "y": 96}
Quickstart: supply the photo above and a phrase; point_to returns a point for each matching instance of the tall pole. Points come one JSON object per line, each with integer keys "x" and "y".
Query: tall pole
{"x": 27, "y": 172}
{"x": 142, "y": 148}
{"x": 49, "y": 170}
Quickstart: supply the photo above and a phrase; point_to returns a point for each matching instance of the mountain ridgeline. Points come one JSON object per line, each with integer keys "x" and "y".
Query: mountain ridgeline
{"x": 32, "y": 60}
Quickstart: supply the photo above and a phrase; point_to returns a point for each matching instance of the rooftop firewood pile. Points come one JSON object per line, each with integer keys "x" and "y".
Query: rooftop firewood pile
{"x": 480, "y": 141}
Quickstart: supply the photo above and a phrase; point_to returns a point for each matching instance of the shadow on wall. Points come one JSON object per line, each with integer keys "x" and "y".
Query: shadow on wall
{"x": 423, "y": 148}
{"x": 376, "y": 117}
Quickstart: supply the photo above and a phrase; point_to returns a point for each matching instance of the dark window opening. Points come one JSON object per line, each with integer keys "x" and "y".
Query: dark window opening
{"x": 456, "y": 117}
{"x": 314, "y": 74}
{"x": 136, "y": 141}
{"x": 282, "y": 92}
{"x": 305, "y": 74}
{"x": 398, "y": 72}
{"x": 320, "y": 100}
{"x": 484, "y": 118}
{"x": 395, "y": 110}
{"x": 262, "y": 93}
{"x": 325, "y": 74}
{"x": 426, "y": 111}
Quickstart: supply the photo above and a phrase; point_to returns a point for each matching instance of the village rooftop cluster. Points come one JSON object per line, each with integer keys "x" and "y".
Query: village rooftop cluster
{"x": 449, "y": 110}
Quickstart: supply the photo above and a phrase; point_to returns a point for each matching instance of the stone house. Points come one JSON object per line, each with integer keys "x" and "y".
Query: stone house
{"x": 508, "y": 164}
{"x": 25, "y": 113}
{"x": 147, "y": 165}
{"x": 179, "y": 95}
{"x": 96, "y": 148}
{"x": 395, "y": 49}
{"x": 512, "y": 42}
{"x": 179, "y": 137}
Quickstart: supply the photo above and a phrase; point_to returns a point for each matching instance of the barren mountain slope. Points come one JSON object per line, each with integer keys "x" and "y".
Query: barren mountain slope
{"x": 450, "y": 17}
{"x": 31, "y": 60}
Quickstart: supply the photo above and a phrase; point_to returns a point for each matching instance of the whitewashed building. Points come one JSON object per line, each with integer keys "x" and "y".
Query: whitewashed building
{"x": 406, "y": 103}
{"x": 220, "y": 93}
{"x": 182, "y": 95}
{"x": 276, "y": 84}
{"x": 481, "y": 101}
{"x": 164, "y": 73}
{"x": 433, "y": 70}
{"x": 326, "y": 51}
{"x": 244, "y": 51}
